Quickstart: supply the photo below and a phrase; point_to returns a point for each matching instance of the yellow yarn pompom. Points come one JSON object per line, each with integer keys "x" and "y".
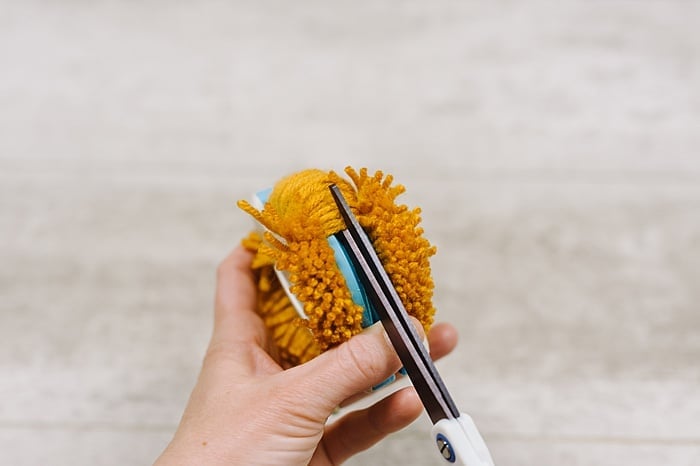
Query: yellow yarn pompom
{"x": 300, "y": 215}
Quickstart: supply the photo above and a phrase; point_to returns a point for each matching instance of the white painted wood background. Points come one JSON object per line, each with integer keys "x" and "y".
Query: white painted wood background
{"x": 553, "y": 147}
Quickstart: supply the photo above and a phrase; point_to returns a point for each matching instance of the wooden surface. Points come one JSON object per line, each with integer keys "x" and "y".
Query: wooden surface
{"x": 553, "y": 146}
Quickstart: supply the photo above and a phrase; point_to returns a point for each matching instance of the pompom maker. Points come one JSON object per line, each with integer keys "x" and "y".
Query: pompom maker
{"x": 455, "y": 434}
{"x": 359, "y": 297}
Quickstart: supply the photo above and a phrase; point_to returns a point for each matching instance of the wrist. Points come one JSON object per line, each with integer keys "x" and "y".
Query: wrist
{"x": 183, "y": 451}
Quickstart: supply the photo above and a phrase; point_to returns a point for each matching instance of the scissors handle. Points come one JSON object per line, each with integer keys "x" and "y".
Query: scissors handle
{"x": 459, "y": 442}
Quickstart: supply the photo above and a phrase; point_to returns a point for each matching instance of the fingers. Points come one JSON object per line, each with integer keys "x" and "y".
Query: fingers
{"x": 442, "y": 339}
{"x": 353, "y": 367}
{"x": 234, "y": 317}
{"x": 361, "y": 429}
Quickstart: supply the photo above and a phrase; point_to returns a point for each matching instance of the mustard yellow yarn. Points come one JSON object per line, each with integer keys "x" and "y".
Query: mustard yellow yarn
{"x": 300, "y": 214}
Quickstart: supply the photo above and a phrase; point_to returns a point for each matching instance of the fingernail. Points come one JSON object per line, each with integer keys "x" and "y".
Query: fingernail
{"x": 376, "y": 328}
{"x": 419, "y": 327}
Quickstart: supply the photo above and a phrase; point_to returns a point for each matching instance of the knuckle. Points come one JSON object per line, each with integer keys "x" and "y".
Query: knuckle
{"x": 360, "y": 356}
{"x": 215, "y": 354}
{"x": 221, "y": 352}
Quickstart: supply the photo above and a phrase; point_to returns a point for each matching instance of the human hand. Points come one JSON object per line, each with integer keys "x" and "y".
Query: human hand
{"x": 245, "y": 409}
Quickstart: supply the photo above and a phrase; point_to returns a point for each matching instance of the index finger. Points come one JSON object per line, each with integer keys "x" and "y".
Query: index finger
{"x": 234, "y": 310}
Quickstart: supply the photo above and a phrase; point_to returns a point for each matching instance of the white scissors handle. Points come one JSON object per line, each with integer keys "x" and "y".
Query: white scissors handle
{"x": 460, "y": 442}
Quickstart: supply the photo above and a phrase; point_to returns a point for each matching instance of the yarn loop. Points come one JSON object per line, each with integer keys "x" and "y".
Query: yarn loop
{"x": 298, "y": 217}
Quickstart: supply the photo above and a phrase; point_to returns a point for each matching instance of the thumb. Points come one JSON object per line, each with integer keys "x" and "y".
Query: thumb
{"x": 353, "y": 367}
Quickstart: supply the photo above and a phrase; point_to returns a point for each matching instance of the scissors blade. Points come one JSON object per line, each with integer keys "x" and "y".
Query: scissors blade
{"x": 403, "y": 336}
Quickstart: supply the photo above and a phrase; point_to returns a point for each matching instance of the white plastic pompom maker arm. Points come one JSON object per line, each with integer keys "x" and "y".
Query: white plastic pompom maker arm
{"x": 455, "y": 434}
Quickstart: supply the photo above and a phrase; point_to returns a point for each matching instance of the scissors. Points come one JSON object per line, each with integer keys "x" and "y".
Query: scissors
{"x": 455, "y": 434}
